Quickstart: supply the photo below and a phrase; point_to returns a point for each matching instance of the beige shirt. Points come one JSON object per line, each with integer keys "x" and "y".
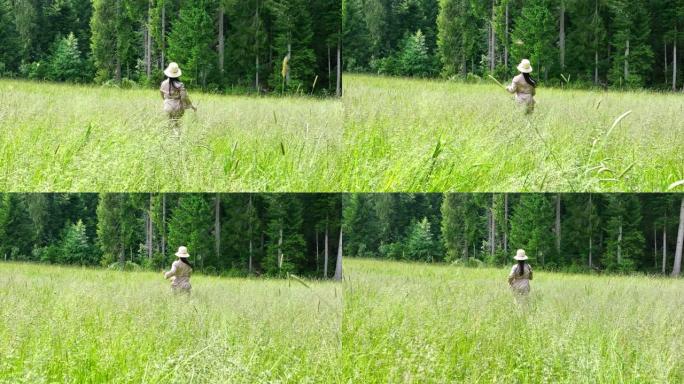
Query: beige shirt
{"x": 175, "y": 99}
{"x": 524, "y": 93}
{"x": 180, "y": 274}
{"x": 521, "y": 283}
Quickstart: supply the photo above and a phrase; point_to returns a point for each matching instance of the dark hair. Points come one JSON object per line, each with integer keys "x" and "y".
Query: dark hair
{"x": 185, "y": 260}
{"x": 174, "y": 82}
{"x": 529, "y": 79}
{"x": 521, "y": 267}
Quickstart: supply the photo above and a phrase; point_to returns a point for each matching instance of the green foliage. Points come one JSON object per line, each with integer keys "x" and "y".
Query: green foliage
{"x": 534, "y": 36}
{"x": 66, "y": 64}
{"x": 420, "y": 245}
{"x": 9, "y": 42}
{"x": 191, "y": 226}
{"x": 76, "y": 248}
{"x": 531, "y": 227}
{"x": 191, "y": 40}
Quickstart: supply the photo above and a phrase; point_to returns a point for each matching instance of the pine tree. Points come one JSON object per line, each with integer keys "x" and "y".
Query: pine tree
{"x": 420, "y": 245}
{"x": 534, "y": 36}
{"x": 191, "y": 225}
{"x": 531, "y": 227}
{"x": 9, "y": 42}
{"x": 65, "y": 63}
{"x": 76, "y": 247}
{"x": 625, "y": 241}
{"x": 285, "y": 241}
{"x": 632, "y": 57}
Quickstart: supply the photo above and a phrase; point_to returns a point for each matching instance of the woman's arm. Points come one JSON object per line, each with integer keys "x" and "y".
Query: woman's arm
{"x": 186, "y": 99}
{"x": 172, "y": 272}
{"x": 513, "y": 87}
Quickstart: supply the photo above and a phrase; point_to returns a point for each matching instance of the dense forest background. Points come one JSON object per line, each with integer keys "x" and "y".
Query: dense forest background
{"x": 567, "y": 232}
{"x": 618, "y": 43}
{"x": 221, "y": 45}
{"x": 229, "y": 234}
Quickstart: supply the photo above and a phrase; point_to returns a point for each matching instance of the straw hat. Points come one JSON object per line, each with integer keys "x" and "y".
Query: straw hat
{"x": 525, "y": 66}
{"x": 520, "y": 255}
{"x": 182, "y": 252}
{"x": 173, "y": 70}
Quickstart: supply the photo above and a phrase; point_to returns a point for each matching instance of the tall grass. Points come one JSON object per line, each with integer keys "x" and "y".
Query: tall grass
{"x": 72, "y": 325}
{"x": 410, "y": 323}
{"x": 57, "y": 137}
{"x": 427, "y": 135}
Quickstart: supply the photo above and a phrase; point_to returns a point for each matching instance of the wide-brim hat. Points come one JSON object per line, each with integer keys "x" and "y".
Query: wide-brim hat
{"x": 173, "y": 70}
{"x": 525, "y": 66}
{"x": 520, "y": 255}
{"x": 182, "y": 252}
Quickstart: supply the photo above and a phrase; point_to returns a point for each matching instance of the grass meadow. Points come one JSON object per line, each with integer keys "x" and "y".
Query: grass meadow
{"x": 415, "y": 323}
{"x": 386, "y": 134}
{"x": 72, "y": 325}
{"x": 59, "y": 137}
{"x": 429, "y": 135}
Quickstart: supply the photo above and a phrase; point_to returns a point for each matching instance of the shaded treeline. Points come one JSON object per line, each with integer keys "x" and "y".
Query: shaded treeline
{"x": 571, "y": 232}
{"x": 225, "y": 233}
{"x": 584, "y": 42}
{"x": 221, "y": 45}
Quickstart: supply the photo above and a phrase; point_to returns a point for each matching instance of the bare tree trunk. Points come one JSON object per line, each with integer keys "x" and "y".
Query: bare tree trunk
{"x": 280, "y": 249}
{"x": 221, "y": 39}
{"x": 505, "y": 223}
{"x": 148, "y": 41}
{"x": 163, "y": 240}
{"x": 329, "y": 69}
{"x": 619, "y": 250}
{"x": 256, "y": 40}
{"x": 250, "y": 255}
{"x": 338, "y": 263}
{"x": 591, "y": 232}
{"x": 150, "y": 230}
{"x": 163, "y": 34}
{"x": 674, "y": 64}
{"x": 558, "y": 223}
{"x": 596, "y": 79}
{"x": 493, "y": 230}
{"x": 251, "y": 231}
{"x": 492, "y": 57}
{"x": 627, "y": 61}
{"x": 325, "y": 253}
{"x": 217, "y": 225}
{"x": 562, "y": 35}
{"x": 676, "y": 269}
{"x": 507, "y": 39}
{"x": 338, "y": 84}
{"x": 664, "y": 268}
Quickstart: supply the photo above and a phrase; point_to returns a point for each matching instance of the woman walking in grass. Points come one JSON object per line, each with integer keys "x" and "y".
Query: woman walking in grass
{"x": 521, "y": 274}
{"x": 524, "y": 86}
{"x": 175, "y": 96}
{"x": 180, "y": 272}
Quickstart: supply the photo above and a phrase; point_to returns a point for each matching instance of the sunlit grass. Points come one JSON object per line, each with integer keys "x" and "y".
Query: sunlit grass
{"x": 413, "y": 323}
{"x": 71, "y": 325}
{"x": 57, "y": 137}
{"x": 422, "y": 135}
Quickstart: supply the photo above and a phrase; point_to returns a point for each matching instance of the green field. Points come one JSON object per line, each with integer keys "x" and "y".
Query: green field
{"x": 72, "y": 325}
{"x": 415, "y": 323}
{"x": 421, "y": 135}
{"x": 58, "y": 137}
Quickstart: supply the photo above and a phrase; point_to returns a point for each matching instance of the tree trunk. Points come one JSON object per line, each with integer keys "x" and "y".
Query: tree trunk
{"x": 674, "y": 64}
{"x": 493, "y": 230}
{"x": 505, "y": 223}
{"x": 148, "y": 41}
{"x": 558, "y": 223}
{"x": 325, "y": 253}
{"x": 507, "y": 39}
{"x": 163, "y": 236}
{"x": 666, "y": 70}
{"x": 251, "y": 231}
{"x": 280, "y": 250}
{"x": 256, "y": 43}
{"x": 562, "y": 35}
{"x": 676, "y": 269}
{"x": 329, "y": 69}
{"x": 627, "y": 61}
{"x": 217, "y": 225}
{"x": 250, "y": 254}
{"x": 619, "y": 249}
{"x": 338, "y": 84}
{"x": 221, "y": 40}
{"x": 150, "y": 231}
{"x": 655, "y": 247}
{"x": 664, "y": 267}
{"x": 317, "y": 253}
{"x": 596, "y": 79}
{"x": 591, "y": 233}
{"x": 163, "y": 34}
{"x": 338, "y": 263}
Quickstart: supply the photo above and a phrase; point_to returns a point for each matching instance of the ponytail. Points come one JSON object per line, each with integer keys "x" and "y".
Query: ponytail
{"x": 184, "y": 260}
{"x": 529, "y": 80}
{"x": 521, "y": 267}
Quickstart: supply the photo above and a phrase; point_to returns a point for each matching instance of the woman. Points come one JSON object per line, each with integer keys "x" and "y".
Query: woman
{"x": 521, "y": 274}
{"x": 175, "y": 96}
{"x": 524, "y": 86}
{"x": 180, "y": 272}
